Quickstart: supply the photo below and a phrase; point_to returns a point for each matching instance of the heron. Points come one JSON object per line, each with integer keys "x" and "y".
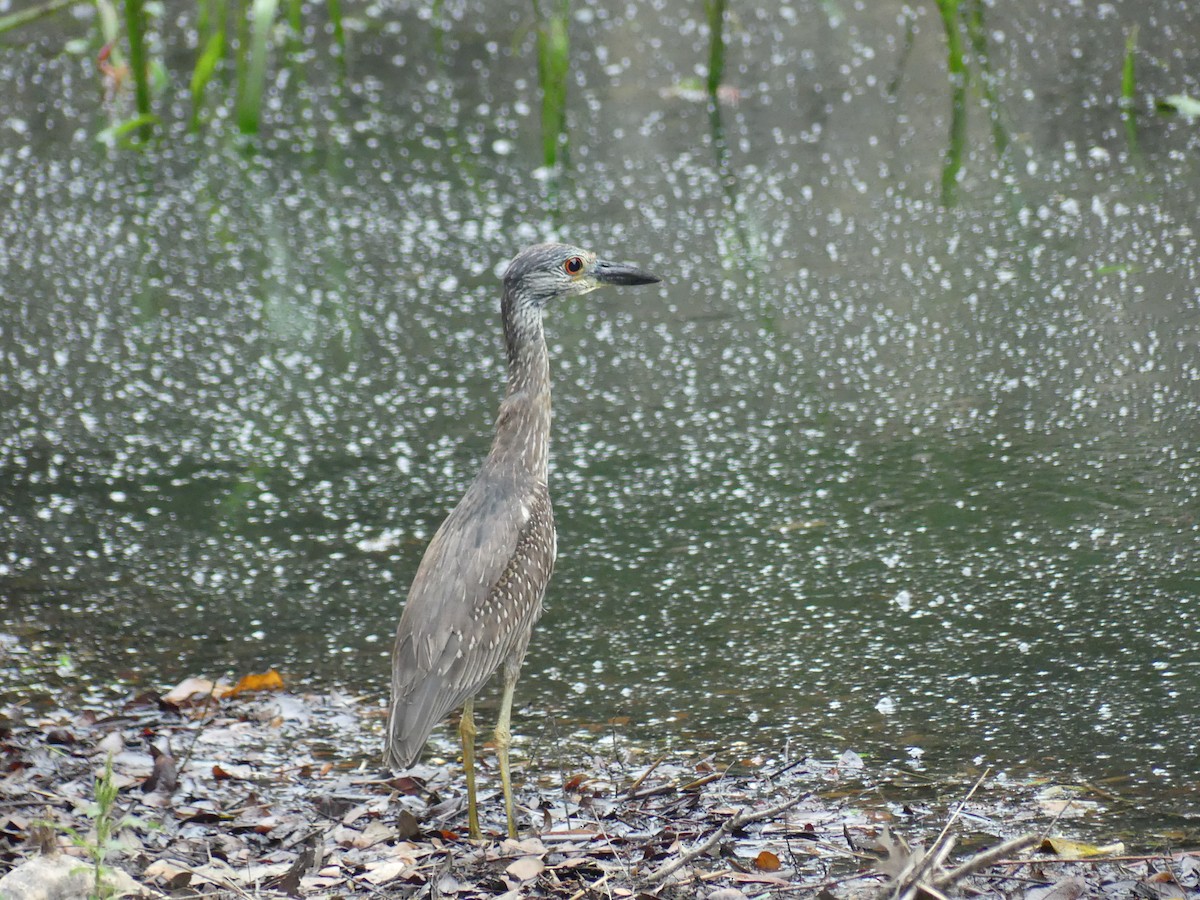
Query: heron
{"x": 479, "y": 587}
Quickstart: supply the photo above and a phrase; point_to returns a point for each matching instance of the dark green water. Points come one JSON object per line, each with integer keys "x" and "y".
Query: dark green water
{"x": 867, "y": 471}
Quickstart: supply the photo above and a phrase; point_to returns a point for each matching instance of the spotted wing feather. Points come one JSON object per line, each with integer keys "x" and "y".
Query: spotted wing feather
{"x": 471, "y": 607}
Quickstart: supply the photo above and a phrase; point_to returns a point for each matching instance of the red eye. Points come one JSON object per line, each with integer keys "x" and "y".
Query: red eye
{"x": 573, "y": 266}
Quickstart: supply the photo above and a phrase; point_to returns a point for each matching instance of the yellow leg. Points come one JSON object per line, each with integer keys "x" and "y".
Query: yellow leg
{"x": 466, "y": 732}
{"x": 503, "y": 740}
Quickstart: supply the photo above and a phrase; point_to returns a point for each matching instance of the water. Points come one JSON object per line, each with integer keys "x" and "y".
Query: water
{"x": 867, "y": 471}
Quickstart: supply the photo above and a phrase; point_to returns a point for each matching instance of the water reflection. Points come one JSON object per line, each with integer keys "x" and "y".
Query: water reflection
{"x": 868, "y": 472}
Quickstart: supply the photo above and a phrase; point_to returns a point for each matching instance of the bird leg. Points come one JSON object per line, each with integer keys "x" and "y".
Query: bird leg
{"x": 466, "y": 733}
{"x": 503, "y": 740}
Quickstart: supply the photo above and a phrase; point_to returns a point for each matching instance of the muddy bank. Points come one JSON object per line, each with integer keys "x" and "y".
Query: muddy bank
{"x": 246, "y": 791}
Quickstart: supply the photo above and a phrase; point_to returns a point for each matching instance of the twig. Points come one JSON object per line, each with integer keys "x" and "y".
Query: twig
{"x": 962, "y": 804}
{"x": 745, "y": 817}
{"x": 1054, "y": 821}
{"x": 213, "y": 879}
{"x": 707, "y": 779}
{"x": 591, "y": 887}
{"x": 910, "y": 883}
{"x": 984, "y": 859}
{"x": 1097, "y": 860}
{"x": 642, "y": 778}
{"x": 200, "y": 730}
{"x": 652, "y": 792}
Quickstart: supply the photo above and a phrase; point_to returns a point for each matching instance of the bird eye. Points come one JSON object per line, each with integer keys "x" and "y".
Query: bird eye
{"x": 573, "y": 266}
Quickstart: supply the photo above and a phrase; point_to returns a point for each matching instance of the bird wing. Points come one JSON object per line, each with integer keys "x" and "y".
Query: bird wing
{"x": 473, "y": 602}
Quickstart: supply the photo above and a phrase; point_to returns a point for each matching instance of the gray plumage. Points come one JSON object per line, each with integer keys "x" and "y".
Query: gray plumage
{"x": 478, "y": 590}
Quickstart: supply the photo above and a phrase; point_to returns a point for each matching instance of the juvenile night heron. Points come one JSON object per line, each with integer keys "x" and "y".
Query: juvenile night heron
{"x": 479, "y": 588}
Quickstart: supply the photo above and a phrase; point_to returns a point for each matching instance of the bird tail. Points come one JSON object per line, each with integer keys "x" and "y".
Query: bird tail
{"x": 399, "y": 750}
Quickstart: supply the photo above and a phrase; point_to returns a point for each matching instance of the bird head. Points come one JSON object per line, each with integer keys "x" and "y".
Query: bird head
{"x": 546, "y": 272}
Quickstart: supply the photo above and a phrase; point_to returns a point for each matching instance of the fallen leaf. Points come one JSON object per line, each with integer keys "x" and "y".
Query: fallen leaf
{"x": 111, "y": 743}
{"x": 1186, "y": 106}
{"x": 60, "y": 736}
{"x": 168, "y": 874}
{"x": 407, "y": 825}
{"x": 385, "y": 871}
{"x": 752, "y": 878}
{"x": 164, "y": 776}
{"x": 1078, "y": 849}
{"x": 526, "y": 868}
{"x": 355, "y": 813}
{"x": 766, "y": 861}
{"x": 191, "y": 691}
{"x": 1067, "y": 889}
{"x": 376, "y": 832}
{"x": 269, "y": 680}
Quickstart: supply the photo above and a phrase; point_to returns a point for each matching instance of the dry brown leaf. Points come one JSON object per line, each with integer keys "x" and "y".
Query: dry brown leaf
{"x": 752, "y": 878}
{"x": 269, "y": 680}
{"x": 510, "y": 847}
{"x": 192, "y": 691}
{"x": 407, "y": 825}
{"x": 1078, "y": 849}
{"x": 385, "y": 870}
{"x": 375, "y": 833}
{"x": 766, "y": 861}
{"x": 1068, "y": 889}
{"x": 168, "y": 874}
{"x": 526, "y": 868}
{"x": 356, "y": 813}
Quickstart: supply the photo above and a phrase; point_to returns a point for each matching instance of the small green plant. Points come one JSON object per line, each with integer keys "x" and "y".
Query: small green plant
{"x": 554, "y": 66}
{"x": 955, "y": 63}
{"x": 128, "y": 61}
{"x": 715, "y": 12}
{"x": 99, "y": 843}
{"x": 249, "y": 105}
{"x": 135, "y": 26}
{"x": 32, "y": 14}
{"x": 105, "y": 827}
{"x": 1128, "y": 101}
{"x": 211, "y": 24}
{"x": 1128, "y": 73}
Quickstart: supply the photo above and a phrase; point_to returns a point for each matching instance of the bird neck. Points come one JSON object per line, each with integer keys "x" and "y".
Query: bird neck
{"x": 522, "y": 438}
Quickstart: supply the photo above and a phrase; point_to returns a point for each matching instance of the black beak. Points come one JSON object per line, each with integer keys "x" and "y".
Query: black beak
{"x": 619, "y": 273}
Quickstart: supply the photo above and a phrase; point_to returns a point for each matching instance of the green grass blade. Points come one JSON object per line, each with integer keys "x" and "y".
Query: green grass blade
{"x": 715, "y": 10}
{"x": 135, "y": 22}
{"x": 1128, "y": 72}
{"x": 206, "y": 67}
{"x": 977, "y": 31}
{"x": 119, "y": 133}
{"x": 335, "y": 18}
{"x": 25, "y": 16}
{"x": 255, "y": 75}
{"x": 110, "y": 26}
{"x": 957, "y": 70}
{"x": 554, "y": 66}
{"x": 1128, "y": 101}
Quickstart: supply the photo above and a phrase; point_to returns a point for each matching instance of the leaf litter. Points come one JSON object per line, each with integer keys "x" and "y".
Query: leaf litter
{"x": 247, "y": 790}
